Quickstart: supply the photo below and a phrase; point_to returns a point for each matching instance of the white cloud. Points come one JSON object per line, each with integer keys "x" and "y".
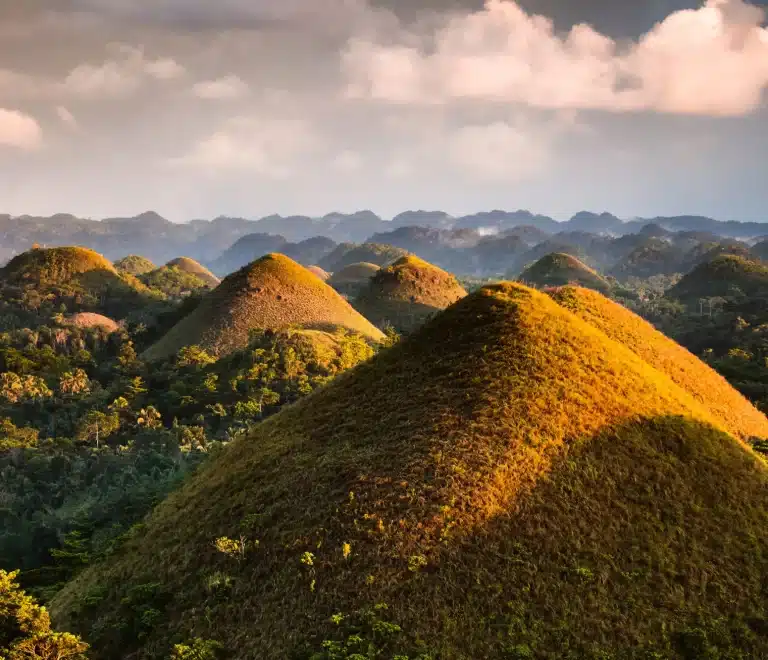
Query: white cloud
{"x": 711, "y": 61}
{"x": 66, "y": 117}
{"x": 226, "y": 88}
{"x": 19, "y": 130}
{"x": 120, "y": 76}
{"x": 348, "y": 162}
{"x": 268, "y": 147}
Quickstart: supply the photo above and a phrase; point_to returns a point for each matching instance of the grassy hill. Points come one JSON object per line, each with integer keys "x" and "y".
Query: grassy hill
{"x": 91, "y": 320}
{"x": 725, "y": 276}
{"x": 737, "y": 414}
{"x": 347, "y": 254}
{"x": 653, "y": 256}
{"x": 559, "y": 269}
{"x": 187, "y": 265}
{"x": 322, "y": 274}
{"x": 351, "y": 279}
{"x": 273, "y": 292}
{"x": 507, "y": 482}
{"x": 60, "y": 266}
{"x": 408, "y": 292}
{"x": 134, "y": 264}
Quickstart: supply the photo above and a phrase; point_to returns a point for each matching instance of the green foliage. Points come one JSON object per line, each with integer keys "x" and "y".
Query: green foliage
{"x": 25, "y": 628}
{"x": 197, "y": 649}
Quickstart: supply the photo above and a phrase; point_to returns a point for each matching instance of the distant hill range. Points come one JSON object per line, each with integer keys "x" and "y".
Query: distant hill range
{"x": 482, "y": 243}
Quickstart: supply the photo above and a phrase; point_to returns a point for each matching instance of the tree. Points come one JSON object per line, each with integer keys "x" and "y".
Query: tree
{"x": 97, "y": 426}
{"x": 25, "y": 628}
{"x": 75, "y": 382}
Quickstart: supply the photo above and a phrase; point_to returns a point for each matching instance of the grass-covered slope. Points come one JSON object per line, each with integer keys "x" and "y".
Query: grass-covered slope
{"x": 737, "y": 414}
{"x": 406, "y": 293}
{"x": 134, "y": 264}
{"x": 507, "y": 482}
{"x": 92, "y": 320}
{"x": 351, "y": 279}
{"x": 60, "y": 266}
{"x": 347, "y": 254}
{"x": 322, "y": 274}
{"x": 187, "y": 265}
{"x": 725, "y": 276}
{"x": 273, "y": 292}
{"x": 559, "y": 269}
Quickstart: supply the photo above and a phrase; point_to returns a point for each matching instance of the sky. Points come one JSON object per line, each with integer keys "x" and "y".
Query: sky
{"x": 197, "y": 109}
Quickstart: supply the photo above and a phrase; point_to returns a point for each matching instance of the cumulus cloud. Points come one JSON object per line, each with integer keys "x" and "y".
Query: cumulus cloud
{"x": 711, "y": 61}
{"x": 121, "y": 75}
{"x": 19, "y": 130}
{"x": 226, "y": 88}
{"x": 269, "y": 147}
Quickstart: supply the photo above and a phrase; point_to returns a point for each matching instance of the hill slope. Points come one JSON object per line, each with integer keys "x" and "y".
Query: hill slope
{"x": 351, "y": 279}
{"x": 406, "y": 293}
{"x": 726, "y": 276}
{"x": 273, "y": 292}
{"x": 60, "y": 266}
{"x": 347, "y": 254}
{"x": 508, "y": 481}
{"x": 134, "y": 264}
{"x": 737, "y": 414}
{"x": 187, "y": 265}
{"x": 559, "y": 269}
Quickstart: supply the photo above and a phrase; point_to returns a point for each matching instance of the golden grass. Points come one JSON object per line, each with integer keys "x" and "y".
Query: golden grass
{"x": 273, "y": 292}
{"x": 512, "y": 483}
{"x": 407, "y": 293}
{"x": 559, "y": 269}
{"x": 92, "y": 320}
{"x": 57, "y": 265}
{"x": 726, "y": 275}
{"x": 187, "y": 265}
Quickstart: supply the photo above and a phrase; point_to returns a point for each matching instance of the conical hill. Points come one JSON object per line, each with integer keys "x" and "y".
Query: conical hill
{"x": 725, "y": 276}
{"x": 134, "y": 264}
{"x": 506, "y": 482}
{"x": 351, "y": 279}
{"x": 708, "y": 387}
{"x": 187, "y": 265}
{"x": 407, "y": 293}
{"x": 559, "y": 269}
{"x": 60, "y": 266}
{"x": 273, "y": 292}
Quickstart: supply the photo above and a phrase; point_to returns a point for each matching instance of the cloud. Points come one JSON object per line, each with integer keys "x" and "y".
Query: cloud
{"x": 709, "y": 61}
{"x": 268, "y": 147}
{"x": 19, "y": 131}
{"x": 226, "y": 88}
{"x": 120, "y": 76}
{"x": 347, "y": 162}
{"x": 66, "y": 117}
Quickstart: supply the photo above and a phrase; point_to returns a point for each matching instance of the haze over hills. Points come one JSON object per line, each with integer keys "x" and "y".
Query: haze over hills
{"x": 160, "y": 240}
{"x": 509, "y": 466}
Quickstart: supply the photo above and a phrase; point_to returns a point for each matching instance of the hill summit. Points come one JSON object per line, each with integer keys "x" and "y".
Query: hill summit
{"x": 559, "y": 269}
{"x": 272, "y": 292}
{"x": 724, "y": 276}
{"x": 408, "y": 292}
{"x": 187, "y": 265}
{"x": 351, "y": 279}
{"x": 59, "y": 266}
{"x": 506, "y": 482}
{"x": 134, "y": 264}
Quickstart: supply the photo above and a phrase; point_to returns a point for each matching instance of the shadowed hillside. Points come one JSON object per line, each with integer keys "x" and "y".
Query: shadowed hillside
{"x": 558, "y": 269}
{"x": 407, "y": 293}
{"x": 187, "y": 265}
{"x": 725, "y": 276}
{"x": 507, "y": 482}
{"x": 347, "y": 254}
{"x": 273, "y": 292}
{"x": 134, "y": 264}
{"x": 351, "y": 279}
{"x": 708, "y": 387}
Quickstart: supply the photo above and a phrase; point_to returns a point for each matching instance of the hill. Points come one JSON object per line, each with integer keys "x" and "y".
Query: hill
{"x": 654, "y": 256}
{"x": 351, "y": 279}
{"x": 347, "y": 254}
{"x": 60, "y": 266}
{"x": 507, "y": 482}
{"x": 736, "y": 414}
{"x": 91, "y": 320}
{"x": 407, "y": 293}
{"x": 558, "y": 269}
{"x": 134, "y": 264}
{"x": 725, "y": 276}
{"x": 273, "y": 292}
{"x": 316, "y": 270}
{"x": 187, "y": 265}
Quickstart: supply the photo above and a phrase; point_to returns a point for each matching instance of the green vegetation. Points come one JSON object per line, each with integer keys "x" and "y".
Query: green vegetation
{"x": 405, "y": 294}
{"x": 506, "y": 482}
{"x": 558, "y": 269}
{"x": 347, "y": 254}
{"x": 273, "y": 292}
{"x": 187, "y": 265}
{"x": 134, "y": 264}
{"x": 726, "y": 276}
{"x": 173, "y": 282}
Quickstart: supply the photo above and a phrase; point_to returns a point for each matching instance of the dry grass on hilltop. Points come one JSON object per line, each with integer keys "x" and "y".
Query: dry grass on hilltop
{"x": 559, "y": 269}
